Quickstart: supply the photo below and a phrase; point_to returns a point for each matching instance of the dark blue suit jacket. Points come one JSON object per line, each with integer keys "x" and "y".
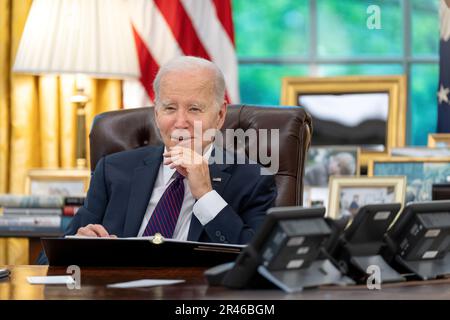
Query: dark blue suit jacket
{"x": 122, "y": 184}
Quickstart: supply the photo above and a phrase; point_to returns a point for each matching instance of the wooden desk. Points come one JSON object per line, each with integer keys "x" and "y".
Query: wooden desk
{"x": 94, "y": 281}
{"x": 34, "y": 247}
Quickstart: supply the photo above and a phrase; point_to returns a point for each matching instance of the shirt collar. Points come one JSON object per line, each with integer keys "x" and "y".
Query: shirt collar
{"x": 168, "y": 173}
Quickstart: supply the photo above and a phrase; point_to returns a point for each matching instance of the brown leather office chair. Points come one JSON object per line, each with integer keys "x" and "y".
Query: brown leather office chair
{"x": 121, "y": 130}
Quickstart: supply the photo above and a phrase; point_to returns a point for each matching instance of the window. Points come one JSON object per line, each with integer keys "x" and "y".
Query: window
{"x": 330, "y": 37}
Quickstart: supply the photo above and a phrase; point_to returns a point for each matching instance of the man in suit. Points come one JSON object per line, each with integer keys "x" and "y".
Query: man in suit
{"x": 177, "y": 189}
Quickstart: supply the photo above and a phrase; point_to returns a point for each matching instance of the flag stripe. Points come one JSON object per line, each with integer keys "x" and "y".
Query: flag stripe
{"x": 224, "y": 14}
{"x": 182, "y": 28}
{"x": 155, "y": 32}
{"x": 167, "y": 29}
{"x": 215, "y": 40}
{"x": 160, "y": 44}
{"x": 148, "y": 65}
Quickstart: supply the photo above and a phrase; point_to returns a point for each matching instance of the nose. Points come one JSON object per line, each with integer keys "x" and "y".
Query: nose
{"x": 181, "y": 121}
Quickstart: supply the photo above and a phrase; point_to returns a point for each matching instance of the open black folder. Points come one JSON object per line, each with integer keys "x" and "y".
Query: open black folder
{"x": 136, "y": 252}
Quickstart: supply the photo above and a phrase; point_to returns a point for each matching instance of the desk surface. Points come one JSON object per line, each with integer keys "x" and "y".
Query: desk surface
{"x": 94, "y": 281}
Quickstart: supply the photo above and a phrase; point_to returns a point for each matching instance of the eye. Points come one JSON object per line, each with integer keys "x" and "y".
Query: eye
{"x": 169, "y": 108}
{"x": 194, "y": 109}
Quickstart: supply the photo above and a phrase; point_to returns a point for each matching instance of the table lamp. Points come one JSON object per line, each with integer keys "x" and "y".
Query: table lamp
{"x": 81, "y": 37}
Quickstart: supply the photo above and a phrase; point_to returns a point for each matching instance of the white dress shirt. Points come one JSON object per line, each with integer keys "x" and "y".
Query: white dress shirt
{"x": 205, "y": 209}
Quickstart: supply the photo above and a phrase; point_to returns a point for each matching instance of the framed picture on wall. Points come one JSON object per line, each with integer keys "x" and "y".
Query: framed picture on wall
{"x": 420, "y": 173}
{"x": 439, "y": 140}
{"x": 315, "y": 196}
{"x": 367, "y": 111}
{"x": 348, "y": 194}
{"x": 63, "y": 182}
{"x": 420, "y": 152}
{"x": 323, "y": 162}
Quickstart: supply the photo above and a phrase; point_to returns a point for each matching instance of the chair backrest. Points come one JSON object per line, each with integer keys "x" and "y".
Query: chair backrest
{"x": 121, "y": 130}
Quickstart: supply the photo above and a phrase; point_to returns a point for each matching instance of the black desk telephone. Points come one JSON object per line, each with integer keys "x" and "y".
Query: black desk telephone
{"x": 4, "y": 273}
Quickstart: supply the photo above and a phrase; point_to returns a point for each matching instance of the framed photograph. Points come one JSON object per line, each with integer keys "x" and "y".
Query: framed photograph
{"x": 420, "y": 152}
{"x": 323, "y": 162}
{"x": 315, "y": 196}
{"x": 64, "y": 182}
{"x": 439, "y": 140}
{"x": 348, "y": 194}
{"x": 420, "y": 173}
{"x": 367, "y": 111}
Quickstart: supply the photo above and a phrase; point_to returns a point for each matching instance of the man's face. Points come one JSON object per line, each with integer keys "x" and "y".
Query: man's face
{"x": 333, "y": 167}
{"x": 185, "y": 98}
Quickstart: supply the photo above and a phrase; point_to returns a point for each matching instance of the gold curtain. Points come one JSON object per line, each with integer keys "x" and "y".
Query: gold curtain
{"x": 37, "y": 119}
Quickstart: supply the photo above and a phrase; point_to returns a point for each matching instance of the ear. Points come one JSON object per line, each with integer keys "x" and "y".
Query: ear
{"x": 155, "y": 113}
{"x": 222, "y": 114}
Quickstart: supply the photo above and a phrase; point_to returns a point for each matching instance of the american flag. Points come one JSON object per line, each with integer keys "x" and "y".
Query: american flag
{"x": 166, "y": 29}
{"x": 443, "y": 124}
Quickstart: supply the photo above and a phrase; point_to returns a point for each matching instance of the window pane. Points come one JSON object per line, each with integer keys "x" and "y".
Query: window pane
{"x": 425, "y": 27}
{"x": 359, "y": 69}
{"x": 261, "y": 84}
{"x": 271, "y": 28}
{"x": 343, "y": 28}
{"x": 423, "y": 102}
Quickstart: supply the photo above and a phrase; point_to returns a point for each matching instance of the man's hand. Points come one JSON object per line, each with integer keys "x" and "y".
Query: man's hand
{"x": 191, "y": 165}
{"x": 94, "y": 230}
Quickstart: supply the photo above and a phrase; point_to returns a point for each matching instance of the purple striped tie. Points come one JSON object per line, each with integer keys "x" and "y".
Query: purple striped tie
{"x": 165, "y": 216}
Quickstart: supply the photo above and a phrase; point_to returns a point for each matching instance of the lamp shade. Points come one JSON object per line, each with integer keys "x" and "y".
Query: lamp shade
{"x": 91, "y": 37}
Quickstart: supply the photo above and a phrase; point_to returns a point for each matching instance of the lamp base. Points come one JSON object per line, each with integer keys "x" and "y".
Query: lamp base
{"x": 81, "y": 163}
{"x": 80, "y": 99}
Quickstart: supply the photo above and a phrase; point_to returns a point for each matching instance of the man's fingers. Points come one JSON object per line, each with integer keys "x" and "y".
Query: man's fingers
{"x": 86, "y": 232}
{"x": 190, "y": 156}
{"x": 182, "y": 159}
{"x": 99, "y": 230}
{"x": 178, "y": 149}
{"x": 93, "y": 230}
{"x": 174, "y": 151}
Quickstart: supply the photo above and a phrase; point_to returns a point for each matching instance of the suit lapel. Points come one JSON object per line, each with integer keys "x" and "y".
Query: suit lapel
{"x": 219, "y": 180}
{"x": 142, "y": 183}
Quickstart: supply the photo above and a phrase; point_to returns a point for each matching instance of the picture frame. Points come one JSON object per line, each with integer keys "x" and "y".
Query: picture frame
{"x": 420, "y": 172}
{"x": 420, "y": 152}
{"x": 315, "y": 196}
{"x": 390, "y": 121}
{"x": 64, "y": 182}
{"x": 438, "y": 140}
{"x": 348, "y": 194}
{"x": 325, "y": 161}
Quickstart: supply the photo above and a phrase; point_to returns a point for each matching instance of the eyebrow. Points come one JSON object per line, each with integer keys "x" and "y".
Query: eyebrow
{"x": 195, "y": 104}
{"x": 191, "y": 104}
{"x": 166, "y": 103}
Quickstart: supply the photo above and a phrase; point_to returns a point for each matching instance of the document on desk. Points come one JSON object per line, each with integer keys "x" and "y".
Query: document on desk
{"x": 153, "y": 251}
{"x": 152, "y": 238}
{"x": 144, "y": 283}
{"x": 51, "y": 280}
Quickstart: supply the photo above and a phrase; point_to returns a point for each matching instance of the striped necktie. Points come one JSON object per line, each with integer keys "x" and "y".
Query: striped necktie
{"x": 165, "y": 216}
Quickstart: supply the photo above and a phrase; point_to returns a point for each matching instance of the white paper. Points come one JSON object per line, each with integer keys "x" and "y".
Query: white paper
{"x": 150, "y": 238}
{"x": 51, "y": 280}
{"x": 109, "y": 238}
{"x": 144, "y": 283}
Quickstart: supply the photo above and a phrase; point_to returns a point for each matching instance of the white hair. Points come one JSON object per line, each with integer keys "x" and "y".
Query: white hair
{"x": 346, "y": 163}
{"x": 183, "y": 63}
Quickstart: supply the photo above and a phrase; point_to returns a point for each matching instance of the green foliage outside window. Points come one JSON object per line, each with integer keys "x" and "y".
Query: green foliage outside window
{"x": 280, "y": 32}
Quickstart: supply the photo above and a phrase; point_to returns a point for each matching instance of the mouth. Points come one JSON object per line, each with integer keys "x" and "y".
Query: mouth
{"x": 178, "y": 138}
